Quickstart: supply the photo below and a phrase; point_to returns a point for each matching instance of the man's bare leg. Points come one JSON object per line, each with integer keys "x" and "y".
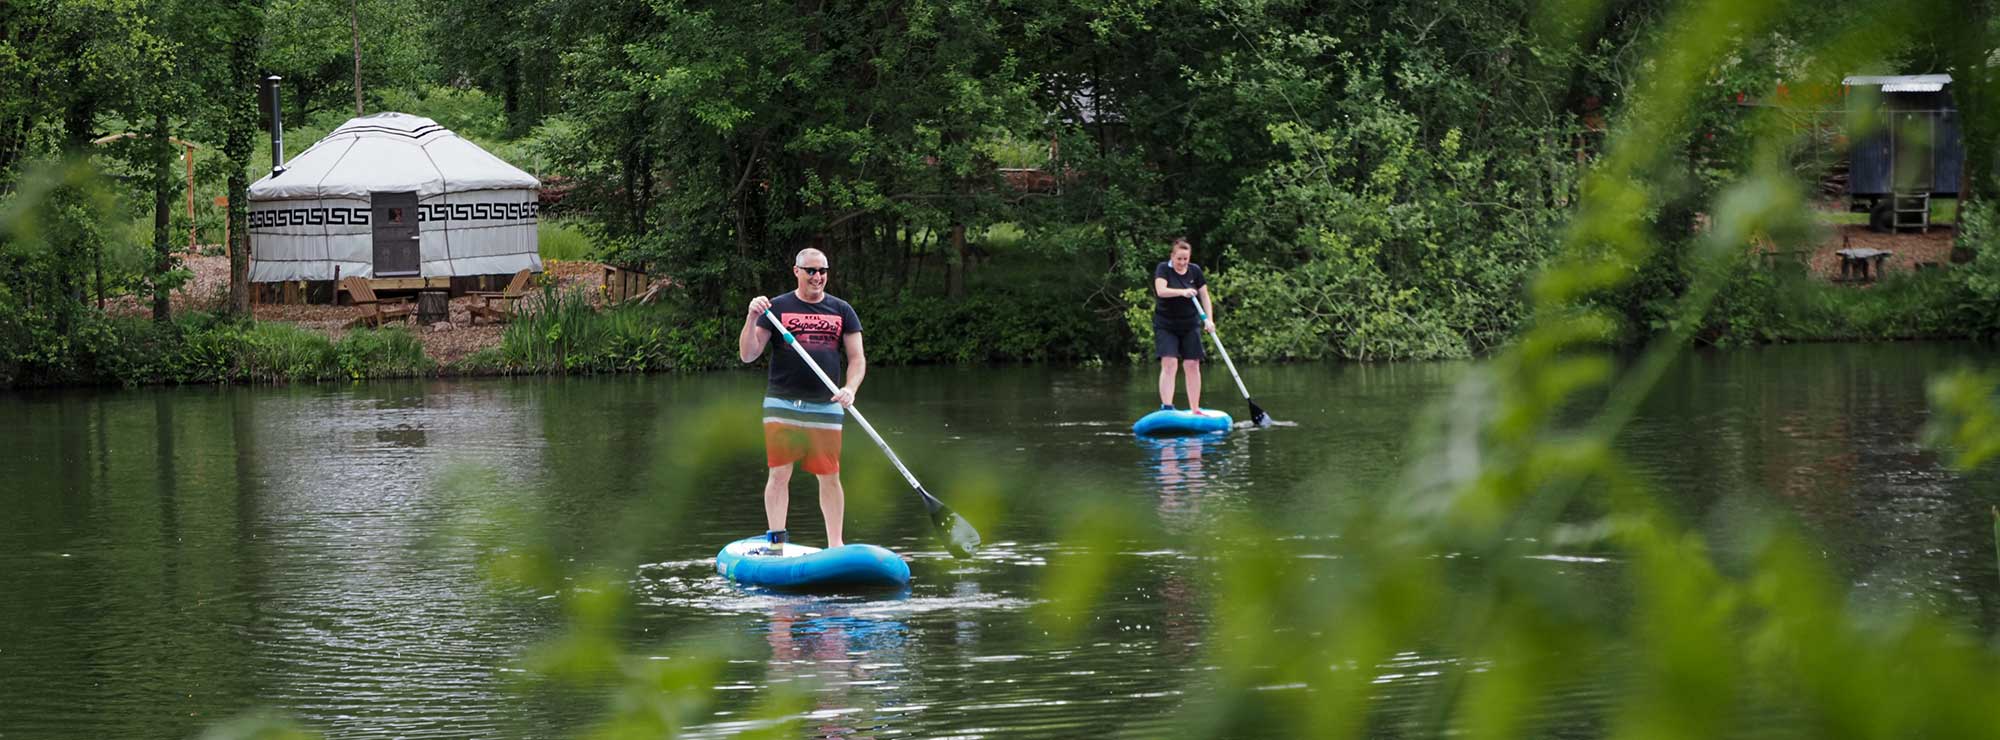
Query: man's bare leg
{"x": 833, "y": 506}
{"x": 777, "y": 496}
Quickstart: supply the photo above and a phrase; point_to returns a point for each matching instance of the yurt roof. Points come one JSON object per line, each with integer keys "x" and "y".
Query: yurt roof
{"x": 390, "y": 152}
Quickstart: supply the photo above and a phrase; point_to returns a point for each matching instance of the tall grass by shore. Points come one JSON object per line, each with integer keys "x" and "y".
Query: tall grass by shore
{"x": 563, "y": 331}
{"x": 273, "y": 352}
{"x": 202, "y": 348}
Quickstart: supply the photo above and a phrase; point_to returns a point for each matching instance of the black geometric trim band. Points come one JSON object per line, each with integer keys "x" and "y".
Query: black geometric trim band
{"x": 269, "y": 217}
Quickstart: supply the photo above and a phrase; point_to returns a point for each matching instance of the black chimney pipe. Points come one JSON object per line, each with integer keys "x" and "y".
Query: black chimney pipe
{"x": 277, "y": 127}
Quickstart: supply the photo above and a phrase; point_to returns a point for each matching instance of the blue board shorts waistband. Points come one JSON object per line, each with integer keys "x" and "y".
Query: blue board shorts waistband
{"x": 809, "y": 414}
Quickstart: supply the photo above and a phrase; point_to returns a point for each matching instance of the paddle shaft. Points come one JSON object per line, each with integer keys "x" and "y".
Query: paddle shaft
{"x": 1219, "y": 348}
{"x": 851, "y": 410}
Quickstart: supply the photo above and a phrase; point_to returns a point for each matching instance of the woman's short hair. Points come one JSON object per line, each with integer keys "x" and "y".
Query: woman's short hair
{"x": 1180, "y": 243}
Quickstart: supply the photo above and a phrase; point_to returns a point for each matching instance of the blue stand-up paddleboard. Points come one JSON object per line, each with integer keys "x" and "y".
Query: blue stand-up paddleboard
{"x": 804, "y": 568}
{"x": 1175, "y": 421}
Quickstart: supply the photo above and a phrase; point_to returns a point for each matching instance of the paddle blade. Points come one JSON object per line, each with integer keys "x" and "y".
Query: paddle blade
{"x": 1257, "y": 415}
{"x": 958, "y": 535}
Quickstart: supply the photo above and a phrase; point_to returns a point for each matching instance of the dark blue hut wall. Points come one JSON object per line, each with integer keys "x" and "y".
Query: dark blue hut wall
{"x": 1950, "y": 155}
{"x": 1868, "y": 165}
{"x": 1915, "y": 124}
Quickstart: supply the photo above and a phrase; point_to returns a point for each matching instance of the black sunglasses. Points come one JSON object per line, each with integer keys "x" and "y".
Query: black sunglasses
{"x": 817, "y": 270}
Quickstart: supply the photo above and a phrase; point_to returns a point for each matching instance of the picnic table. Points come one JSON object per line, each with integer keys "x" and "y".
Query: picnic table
{"x": 1855, "y": 262}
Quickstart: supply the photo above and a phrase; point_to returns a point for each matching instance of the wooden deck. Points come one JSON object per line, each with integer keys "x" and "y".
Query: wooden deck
{"x": 322, "y": 291}
{"x": 410, "y": 283}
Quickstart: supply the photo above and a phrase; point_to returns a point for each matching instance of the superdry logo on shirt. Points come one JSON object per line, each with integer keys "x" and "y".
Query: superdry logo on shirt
{"x": 814, "y": 330}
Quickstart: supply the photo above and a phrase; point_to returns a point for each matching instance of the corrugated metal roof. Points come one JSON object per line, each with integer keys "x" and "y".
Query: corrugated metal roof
{"x": 1900, "y": 83}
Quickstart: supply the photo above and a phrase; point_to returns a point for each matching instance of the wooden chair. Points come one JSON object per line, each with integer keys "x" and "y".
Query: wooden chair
{"x": 374, "y": 310}
{"x": 508, "y": 299}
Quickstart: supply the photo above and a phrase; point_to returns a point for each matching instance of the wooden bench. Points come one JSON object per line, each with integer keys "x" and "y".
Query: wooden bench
{"x": 1855, "y": 263}
{"x": 374, "y": 310}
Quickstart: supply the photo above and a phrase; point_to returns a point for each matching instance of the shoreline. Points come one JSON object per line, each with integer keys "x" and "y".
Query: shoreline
{"x": 444, "y": 342}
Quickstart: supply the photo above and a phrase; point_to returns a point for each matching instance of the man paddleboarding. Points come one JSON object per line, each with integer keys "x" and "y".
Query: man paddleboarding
{"x": 801, "y": 422}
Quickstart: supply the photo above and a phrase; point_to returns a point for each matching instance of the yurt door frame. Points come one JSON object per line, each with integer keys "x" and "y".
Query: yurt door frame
{"x": 396, "y": 248}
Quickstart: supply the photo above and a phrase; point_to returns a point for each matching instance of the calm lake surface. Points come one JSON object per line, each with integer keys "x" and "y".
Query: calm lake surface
{"x": 172, "y": 557}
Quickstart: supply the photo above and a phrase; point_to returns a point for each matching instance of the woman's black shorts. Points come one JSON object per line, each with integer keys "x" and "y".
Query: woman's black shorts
{"x": 1174, "y": 343}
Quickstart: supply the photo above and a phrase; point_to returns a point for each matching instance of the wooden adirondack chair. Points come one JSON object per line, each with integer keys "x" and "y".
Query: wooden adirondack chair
{"x": 508, "y": 299}
{"x": 374, "y": 310}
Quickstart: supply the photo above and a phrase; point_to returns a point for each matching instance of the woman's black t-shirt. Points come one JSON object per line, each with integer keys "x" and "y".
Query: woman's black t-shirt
{"x": 1177, "y": 313}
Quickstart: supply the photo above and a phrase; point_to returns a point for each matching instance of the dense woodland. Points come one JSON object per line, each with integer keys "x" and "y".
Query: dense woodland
{"x": 993, "y": 180}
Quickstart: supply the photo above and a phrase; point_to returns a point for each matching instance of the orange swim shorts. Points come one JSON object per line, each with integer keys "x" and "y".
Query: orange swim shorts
{"x": 804, "y": 432}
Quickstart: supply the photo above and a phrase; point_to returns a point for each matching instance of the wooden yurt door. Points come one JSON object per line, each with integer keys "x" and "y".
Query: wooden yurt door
{"x": 395, "y": 219}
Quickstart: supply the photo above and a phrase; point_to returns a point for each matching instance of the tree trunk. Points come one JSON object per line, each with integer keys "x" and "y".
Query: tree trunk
{"x": 903, "y": 235}
{"x": 163, "y": 179}
{"x": 13, "y": 139}
{"x": 628, "y": 180}
{"x": 1977, "y": 95}
{"x": 79, "y": 119}
{"x": 239, "y": 117}
{"x": 354, "y": 21}
{"x": 301, "y": 94}
{"x": 954, "y": 264}
{"x": 238, "y": 215}
{"x": 510, "y": 95}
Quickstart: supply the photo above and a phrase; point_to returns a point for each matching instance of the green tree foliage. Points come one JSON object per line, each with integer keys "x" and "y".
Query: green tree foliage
{"x": 311, "y": 43}
{"x": 1381, "y": 199}
{"x": 62, "y": 64}
{"x": 66, "y": 64}
{"x": 59, "y": 216}
{"x": 502, "y": 46}
{"x": 714, "y": 139}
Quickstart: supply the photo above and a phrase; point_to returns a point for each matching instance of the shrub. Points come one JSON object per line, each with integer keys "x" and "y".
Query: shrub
{"x": 558, "y": 239}
{"x": 990, "y": 327}
{"x": 560, "y": 331}
{"x": 389, "y": 352}
{"x": 274, "y": 352}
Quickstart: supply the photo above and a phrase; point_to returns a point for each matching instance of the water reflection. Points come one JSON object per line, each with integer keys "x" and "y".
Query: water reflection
{"x": 852, "y": 665}
{"x": 1183, "y": 469}
{"x": 838, "y": 666}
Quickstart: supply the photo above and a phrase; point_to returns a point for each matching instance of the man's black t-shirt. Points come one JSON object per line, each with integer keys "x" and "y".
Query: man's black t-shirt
{"x": 1177, "y": 313}
{"x": 820, "y": 328}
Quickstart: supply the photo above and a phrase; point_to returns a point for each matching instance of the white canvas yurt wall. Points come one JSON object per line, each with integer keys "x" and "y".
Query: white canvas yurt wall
{"x": 476, "y": 214}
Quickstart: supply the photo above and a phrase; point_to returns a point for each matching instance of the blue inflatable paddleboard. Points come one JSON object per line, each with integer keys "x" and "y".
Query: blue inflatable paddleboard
{"x": 804, "y": 568}
{"x": 1176, "y": 421}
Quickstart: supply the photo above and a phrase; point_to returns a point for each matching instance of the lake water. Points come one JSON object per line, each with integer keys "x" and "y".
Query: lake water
{"x": 173, "y": 557}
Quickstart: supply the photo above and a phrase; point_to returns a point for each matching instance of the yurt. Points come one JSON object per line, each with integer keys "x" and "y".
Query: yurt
{"x": 392, "y": 195}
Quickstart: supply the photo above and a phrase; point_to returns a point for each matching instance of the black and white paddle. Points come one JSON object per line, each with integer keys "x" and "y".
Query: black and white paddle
{"x": 958, "y": 535}
{"x": 1257, "y": 415}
